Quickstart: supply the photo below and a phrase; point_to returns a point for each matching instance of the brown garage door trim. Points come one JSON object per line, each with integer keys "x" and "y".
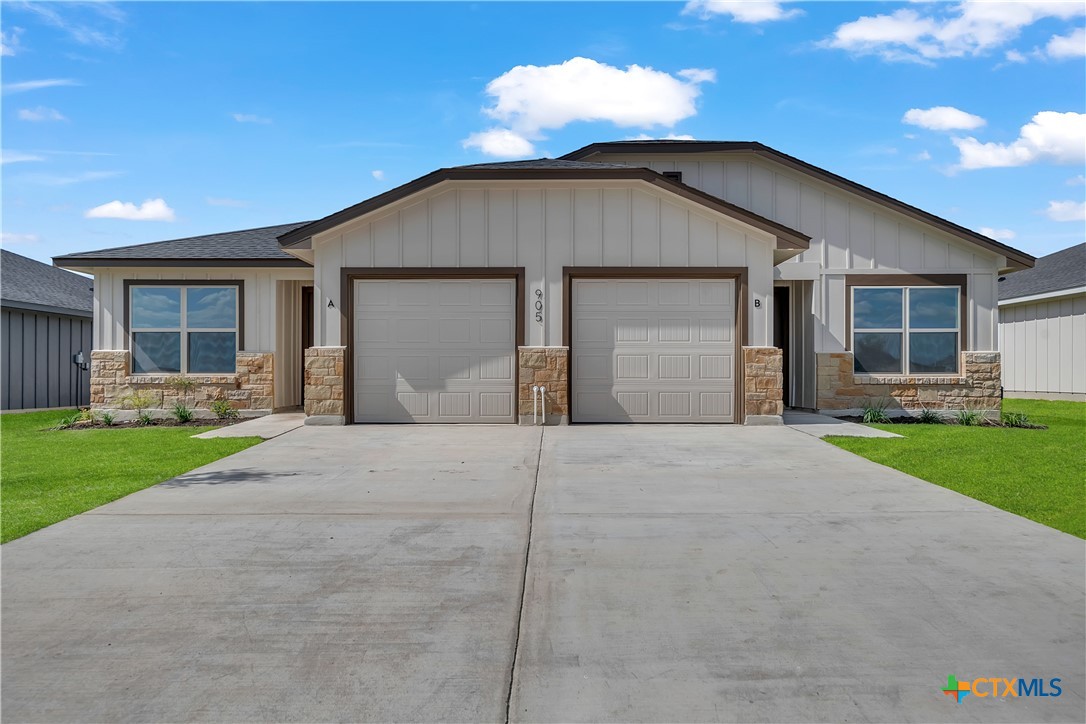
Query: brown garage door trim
{"x": 352, "y": 274}
{"x": 738, "y": 273}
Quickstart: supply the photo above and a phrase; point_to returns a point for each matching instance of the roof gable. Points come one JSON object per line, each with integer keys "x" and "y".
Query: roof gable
{"x": 1014, "y": 256}
{"x": 547, "y": 169}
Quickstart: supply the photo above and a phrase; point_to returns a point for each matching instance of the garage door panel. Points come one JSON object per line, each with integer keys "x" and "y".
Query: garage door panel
{"x": 653, "y": 351}
{"x": 446, "y": 357}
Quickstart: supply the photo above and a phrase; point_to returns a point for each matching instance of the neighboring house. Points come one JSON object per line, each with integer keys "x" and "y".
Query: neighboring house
{"x": 46, "y": 324}
{"x": 662, "y": 281}
{"x": 1042, "y": 328}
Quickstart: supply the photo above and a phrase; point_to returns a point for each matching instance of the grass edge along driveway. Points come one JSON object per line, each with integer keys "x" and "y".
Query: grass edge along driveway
{"x": 1038, "y": 474}
{"x": 49, "y": 475}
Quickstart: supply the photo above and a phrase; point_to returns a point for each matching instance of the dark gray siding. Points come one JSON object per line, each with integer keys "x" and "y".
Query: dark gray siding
{"x": 36, "y": 351}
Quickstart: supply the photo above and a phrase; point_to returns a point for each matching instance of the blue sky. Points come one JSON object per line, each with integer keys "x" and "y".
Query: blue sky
{"x": 126, "y": 123}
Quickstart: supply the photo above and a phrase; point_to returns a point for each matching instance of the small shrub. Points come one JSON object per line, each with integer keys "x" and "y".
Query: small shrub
{"x": 224, "y": 410}
{"x": 67, "y": 421}
{"x": 107, "y": 419}
{"x": 144, "y": 418}
{"x": 139, "y": 401}
{"x": 84, "y": 415}
{"x": 182, "y": 413}
{"x": 930, "y": 417}
{"x": 875, "y": 412}
{"x": 1016, "y": 419}
{"x": 969, "y": 418}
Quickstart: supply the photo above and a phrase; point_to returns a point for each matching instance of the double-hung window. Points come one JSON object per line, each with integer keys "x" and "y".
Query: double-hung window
{"x": 184, "y": 329}
{"x": 906, "y": 330}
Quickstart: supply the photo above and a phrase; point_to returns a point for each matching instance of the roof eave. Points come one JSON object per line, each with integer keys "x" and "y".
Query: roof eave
{"x": 89, "y": 262}
{"x": 45, "y": 308}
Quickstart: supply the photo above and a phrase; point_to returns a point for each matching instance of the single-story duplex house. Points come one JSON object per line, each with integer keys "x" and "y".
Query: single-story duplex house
{"x": 1042, "y": 328}
{"x": 45, "y": 335}
{"x": 655, "y": 281}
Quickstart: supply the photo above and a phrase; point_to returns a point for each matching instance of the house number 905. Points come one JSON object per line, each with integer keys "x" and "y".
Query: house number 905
{"x": 539, "y": 305}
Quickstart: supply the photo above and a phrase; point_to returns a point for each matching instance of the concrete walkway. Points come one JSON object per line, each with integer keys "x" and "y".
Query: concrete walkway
{"x": 266, "y": 427}
{"x": 594, "y": 573}
{"x": 811, "y": 423}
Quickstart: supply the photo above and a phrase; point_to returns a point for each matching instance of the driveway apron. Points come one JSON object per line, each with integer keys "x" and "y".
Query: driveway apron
{"x": 759, "y": 574}
{"x": 350, "y": 574}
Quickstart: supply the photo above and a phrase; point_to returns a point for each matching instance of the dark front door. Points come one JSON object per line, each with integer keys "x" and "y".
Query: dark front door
{"x": 307, "y": 334}
{"x": 782, "y": 332}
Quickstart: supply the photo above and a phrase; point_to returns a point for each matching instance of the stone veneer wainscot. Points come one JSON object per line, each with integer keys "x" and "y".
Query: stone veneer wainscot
{"x": 841, "y": 391}
{"x": 250, "y": 388}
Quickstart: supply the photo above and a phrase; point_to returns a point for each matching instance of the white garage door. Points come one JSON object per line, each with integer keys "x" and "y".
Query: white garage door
{"x": 653, "y": 350}
{"x": 431, "y": 350}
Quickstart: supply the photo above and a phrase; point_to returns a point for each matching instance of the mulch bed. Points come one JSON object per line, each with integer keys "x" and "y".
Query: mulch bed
{"x": 98, "y": 424}
{"x": 946, "y": 421}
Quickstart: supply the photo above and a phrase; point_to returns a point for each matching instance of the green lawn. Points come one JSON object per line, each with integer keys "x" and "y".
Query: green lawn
{"x": 1038, "y": 474}
{"x": 49, "y": 475}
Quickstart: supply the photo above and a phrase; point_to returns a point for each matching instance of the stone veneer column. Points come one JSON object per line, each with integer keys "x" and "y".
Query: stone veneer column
{"x": 323, "y": 393}
{"x": 109, "y": 378}
{"x": 843, "y": 392}
{"x": 547, "y": 367}
{"x": 256, "y": 379}
{"x": 763, "y": 385}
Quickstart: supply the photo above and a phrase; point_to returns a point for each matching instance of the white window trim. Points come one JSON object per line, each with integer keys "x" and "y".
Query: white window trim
{"x": 183, "y": 330}
{"x": 905, "y": 330}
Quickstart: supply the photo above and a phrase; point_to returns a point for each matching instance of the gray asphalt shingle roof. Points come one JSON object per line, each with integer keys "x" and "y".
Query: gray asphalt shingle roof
{"x": 246, "y": 244}
{"x": 1063, "y": 270}
{"x": 30, "y": 284}
{"x": 538, "y": 163}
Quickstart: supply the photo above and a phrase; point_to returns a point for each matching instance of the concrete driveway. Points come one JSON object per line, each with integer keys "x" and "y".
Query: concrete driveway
{"x": 673, "y": 574}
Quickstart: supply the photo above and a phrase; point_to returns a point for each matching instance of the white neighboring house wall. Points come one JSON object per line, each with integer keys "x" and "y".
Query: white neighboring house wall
{"x": 1043, "y": 341}
{"x": 848, "y": 235}
{"x": 270, "y": 304}
{"x": 542, "y": 227}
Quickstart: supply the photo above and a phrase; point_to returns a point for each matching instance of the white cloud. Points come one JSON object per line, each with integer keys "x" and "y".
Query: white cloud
{"x": 668, "y": 137}
{"x": 530, "y": 99}
{"x": 1050, "y": 136}
{"x": 942, "y": 118}
{"x": 10, "y": 42}
{"x": 378, "y": 174}
{"x": 741, "y": 11}
{"x": 500, "y": 142}
{"x": 922, "y": 156}
{"x": 7, "y": 238}
{"x": 1076, "y": 180}
{"x": 29, "y": 85}
{"x": 1066, "y": 210}
{"x": 7, "y": 157}
{"x": 149, "y": 210}
{"x": 1014, "y": 56}
{"x": 963, "y": 29}
{"x": 1072, "y": 45}
{"x": 230, "y": 203}
{"x": 998, "y": 234}
{"x": 250, "y": 118}
{"x": 41, "y": 113}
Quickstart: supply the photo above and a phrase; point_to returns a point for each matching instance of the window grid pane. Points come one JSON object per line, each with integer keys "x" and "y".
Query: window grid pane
{"x": 906, "y": 330}
{"x": 184, "y": 329}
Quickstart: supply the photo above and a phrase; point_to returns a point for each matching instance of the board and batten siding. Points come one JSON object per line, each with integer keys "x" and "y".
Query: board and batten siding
{"x": 542, "y": 229}
{"x": 1044, "y": 345}
{"x": 848, "y": 235}
{"x": 271, "y": 307}
{"x": 36, "y": 350}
